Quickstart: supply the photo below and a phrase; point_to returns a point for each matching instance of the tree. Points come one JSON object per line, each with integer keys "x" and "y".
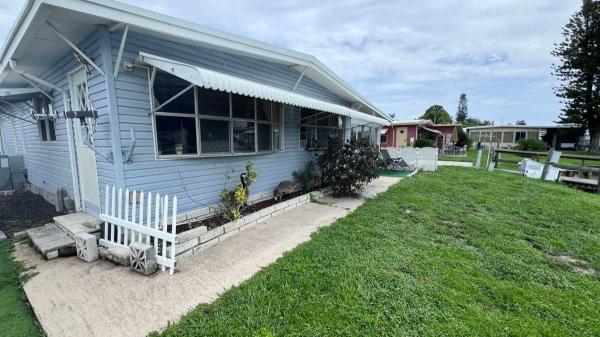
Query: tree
{"x": 437, "y": 114}
{"x": 462, "y": 113}
{"x": 579, "y": 70}
{"x": 393, "y": 116}
{"x": 471, "y": 121}
{"x": 520, "y": 122}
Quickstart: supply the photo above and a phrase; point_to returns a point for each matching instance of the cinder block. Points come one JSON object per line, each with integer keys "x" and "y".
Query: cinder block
{"x": 205, "y": 245}
{"x": 142, "y": 258}
{"x": 248, "y": 225}
{"x": 228, "y": 235}
{"x": 119, "y": 255}
{"x": 211, "y": 234}
{"x": 87, "y": 247}
{"x": 264, "y": 218}
{"x": 233, "y": 225}
{"x": 182, "y": 247}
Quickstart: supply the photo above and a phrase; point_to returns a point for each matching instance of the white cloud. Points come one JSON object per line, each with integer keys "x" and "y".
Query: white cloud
{"x": 405, "y": 56}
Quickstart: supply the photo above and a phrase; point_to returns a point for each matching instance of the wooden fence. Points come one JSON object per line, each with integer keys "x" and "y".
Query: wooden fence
{"x": 576, "y": 175}
{"x": 126, "y": 222}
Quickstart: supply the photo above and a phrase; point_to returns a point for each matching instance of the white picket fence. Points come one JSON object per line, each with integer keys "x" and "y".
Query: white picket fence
{"x": 125, "y": 222}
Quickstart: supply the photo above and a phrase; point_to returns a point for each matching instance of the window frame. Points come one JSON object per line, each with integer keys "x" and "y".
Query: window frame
{"x": 280, "y": 108}
{"x": 46, "y": 125}
{"x": 381, "y": 136}
{"x": 316, "y": 126}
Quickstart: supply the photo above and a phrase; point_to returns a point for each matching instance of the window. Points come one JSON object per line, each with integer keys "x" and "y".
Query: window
{"x": 533, "y": 135}
{"x": 485, "y": 137}
{"x": 474, "y": 136}
{"x": 520, "y": 135}
{"x": 42, "y": 111}
{"x": 363, "y": 131}
{"x": 496, "y": 137}
{"x": 47, "y": 130}
{"x": 194, "y": 121}
{"x": 317, "y": 128}
{"x": 508, "y": 137}
{"x": 383, "y": 138}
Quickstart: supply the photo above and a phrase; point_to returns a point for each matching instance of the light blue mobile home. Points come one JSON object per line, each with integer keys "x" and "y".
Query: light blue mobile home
{"x": 97, "y": 92}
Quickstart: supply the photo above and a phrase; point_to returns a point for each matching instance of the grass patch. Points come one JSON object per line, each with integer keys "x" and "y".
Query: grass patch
{"x": 15, "y": 314}
{"x": 453, "y": 253}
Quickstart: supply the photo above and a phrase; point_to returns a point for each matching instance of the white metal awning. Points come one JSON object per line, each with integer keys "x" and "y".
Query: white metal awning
{"x": 211, "y": 79}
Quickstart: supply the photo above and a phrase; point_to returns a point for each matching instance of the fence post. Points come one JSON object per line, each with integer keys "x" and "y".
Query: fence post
{"x": 547, "y": 164}
{"x": 174, "y": 231}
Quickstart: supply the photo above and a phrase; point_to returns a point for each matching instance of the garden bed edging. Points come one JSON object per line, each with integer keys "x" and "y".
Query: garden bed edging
{"x": 200, "y": 238}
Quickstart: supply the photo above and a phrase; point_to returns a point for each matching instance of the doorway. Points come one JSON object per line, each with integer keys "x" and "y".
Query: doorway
{"x": 401, "y": 137}
{"x": 87, "y": 172}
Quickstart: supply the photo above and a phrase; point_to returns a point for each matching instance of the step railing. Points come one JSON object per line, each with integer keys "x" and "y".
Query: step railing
{"x": 125, "y": 222}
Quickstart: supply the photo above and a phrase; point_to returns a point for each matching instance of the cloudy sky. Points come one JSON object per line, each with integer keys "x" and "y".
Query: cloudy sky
{"x": 405, "y": 56}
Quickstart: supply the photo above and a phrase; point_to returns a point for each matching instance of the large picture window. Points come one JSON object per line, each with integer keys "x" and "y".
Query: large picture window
{"x": 318, "y": 127}
{"x": 194, "y": 121}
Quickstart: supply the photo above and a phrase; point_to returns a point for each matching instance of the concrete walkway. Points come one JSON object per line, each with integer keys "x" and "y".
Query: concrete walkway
{"x": 73, "y": 298}
{"x": 454, "y": 163}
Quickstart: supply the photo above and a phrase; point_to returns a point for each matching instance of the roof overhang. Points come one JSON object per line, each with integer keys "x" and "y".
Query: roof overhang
{"x": 78, "y": 19}
{"x": 524, "y": 127}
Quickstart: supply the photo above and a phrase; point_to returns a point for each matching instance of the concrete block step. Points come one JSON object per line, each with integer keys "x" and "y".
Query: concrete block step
{"x": 51, "y": 241}
{"x": 116, "y": 254}
{"x": 76, "y": 223}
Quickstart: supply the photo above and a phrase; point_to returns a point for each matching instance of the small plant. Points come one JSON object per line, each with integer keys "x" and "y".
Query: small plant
{"x": 423, "y": 143}
{"x": 307, "y": 177}
{"x": 346, "y": 168}
{"x": 235, "y": 200}
{"x": 531, "y": 144}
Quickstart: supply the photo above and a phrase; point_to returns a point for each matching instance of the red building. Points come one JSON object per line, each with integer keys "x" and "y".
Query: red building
{"x": 405, "y": 133}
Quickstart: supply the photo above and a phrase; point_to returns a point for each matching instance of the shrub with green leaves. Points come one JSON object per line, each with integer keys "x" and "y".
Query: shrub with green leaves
{"x": 423, "y": 143}
{"x": 307, "y": 178}
{"x": 233, "y": 201}
{"x": 531, "y": 144}
{"x": 346, "y": 168}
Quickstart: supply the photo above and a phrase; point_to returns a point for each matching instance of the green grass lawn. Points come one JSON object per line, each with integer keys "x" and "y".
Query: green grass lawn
{"x": 16, "y": 318}
{"x": 454, "y": 253}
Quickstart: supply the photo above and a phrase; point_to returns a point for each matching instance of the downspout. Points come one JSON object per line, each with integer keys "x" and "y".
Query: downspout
{"x": 69, "y": 122}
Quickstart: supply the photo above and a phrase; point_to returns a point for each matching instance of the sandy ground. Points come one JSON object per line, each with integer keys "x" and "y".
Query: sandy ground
{"x": 73, "y": 298}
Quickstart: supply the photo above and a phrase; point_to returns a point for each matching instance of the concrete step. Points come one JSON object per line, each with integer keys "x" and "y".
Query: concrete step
{"x": 76, "y": 223}
{"x": 116, "y": 254}
{"x": 51, "y": 241}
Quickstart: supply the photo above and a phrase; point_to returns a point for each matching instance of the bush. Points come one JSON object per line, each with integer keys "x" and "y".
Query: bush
{"x": 531, "y": 145}
{"x": 346, "y": 168}
{"x": 235, "y": 200}
{"x": 423, "y": 143}
{"x": 307, "y": 177}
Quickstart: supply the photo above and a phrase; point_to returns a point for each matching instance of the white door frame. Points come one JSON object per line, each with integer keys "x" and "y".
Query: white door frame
{"x": 78, "y": 186}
